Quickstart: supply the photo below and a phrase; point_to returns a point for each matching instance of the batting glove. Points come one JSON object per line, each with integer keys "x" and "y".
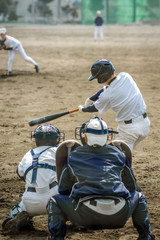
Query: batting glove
{"x": 88, "y": 102}
{"x": 80, "y": 108}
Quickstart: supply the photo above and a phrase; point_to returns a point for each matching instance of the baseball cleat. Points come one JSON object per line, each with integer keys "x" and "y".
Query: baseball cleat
{"x": 17, "y": 222}
{"x": 37, "y": 68}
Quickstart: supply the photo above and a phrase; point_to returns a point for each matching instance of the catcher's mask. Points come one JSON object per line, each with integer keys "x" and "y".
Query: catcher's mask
{"x": 96, "y": 131}
{"x": 47, "y": 135}
{"x": 102, "y": 70}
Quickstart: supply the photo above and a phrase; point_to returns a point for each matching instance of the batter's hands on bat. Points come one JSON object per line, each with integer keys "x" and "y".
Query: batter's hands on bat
{"x": 88, "y": 102}
{"x": 80, "y": 108}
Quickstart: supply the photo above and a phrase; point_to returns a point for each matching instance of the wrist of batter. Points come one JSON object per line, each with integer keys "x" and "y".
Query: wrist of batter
{"x": 90, "y": 108}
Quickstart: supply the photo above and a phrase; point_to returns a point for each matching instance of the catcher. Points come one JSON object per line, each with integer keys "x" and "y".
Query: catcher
{"x": 121, "y": 94}
{"x": 91, "y": 192}
{"x": 38, "y": 170}
{"x": 13, "y": 45}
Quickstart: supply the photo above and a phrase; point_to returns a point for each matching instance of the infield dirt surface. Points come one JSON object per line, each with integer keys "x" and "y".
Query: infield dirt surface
{"x": 65, "y": 55}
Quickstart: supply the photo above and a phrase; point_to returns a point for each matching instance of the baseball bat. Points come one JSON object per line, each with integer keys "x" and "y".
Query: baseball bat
{"x": 50, "y": 117}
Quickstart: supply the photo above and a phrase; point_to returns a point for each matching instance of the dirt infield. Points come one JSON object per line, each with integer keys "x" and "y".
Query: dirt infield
{"x": 65, "y": 54}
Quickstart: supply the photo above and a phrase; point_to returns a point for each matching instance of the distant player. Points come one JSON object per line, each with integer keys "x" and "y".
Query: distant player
{"x": 98, "y": 28}
{"x": 13, "y": 45}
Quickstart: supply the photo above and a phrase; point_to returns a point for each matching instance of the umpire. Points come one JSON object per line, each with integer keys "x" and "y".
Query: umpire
{"x": 92, "y": 194}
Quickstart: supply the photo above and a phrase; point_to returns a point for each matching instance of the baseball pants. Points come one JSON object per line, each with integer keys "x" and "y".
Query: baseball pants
{"x": 22, "y": 53}
{"x": 61, "y": 208}
{"x": 134, "y": 132}
{"x": 98, "y": 30}
{"x": 35, "y": 202}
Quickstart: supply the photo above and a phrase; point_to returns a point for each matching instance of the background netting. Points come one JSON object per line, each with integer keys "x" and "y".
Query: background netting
{"x": 120, "y": 11}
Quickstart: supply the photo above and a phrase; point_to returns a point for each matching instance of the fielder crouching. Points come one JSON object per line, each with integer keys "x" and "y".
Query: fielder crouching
{"x": 91, "y": 192}
{"x": 38, "y": 170}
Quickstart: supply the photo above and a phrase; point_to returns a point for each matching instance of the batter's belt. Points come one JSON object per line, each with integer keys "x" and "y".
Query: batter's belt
{"x": 131, "y": 120}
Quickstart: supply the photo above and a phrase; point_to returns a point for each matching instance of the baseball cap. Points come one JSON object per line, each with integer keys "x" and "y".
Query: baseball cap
{"x": 3, "y": 30}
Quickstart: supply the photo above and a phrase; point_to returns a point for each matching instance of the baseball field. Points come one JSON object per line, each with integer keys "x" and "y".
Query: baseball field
{"x": 65, "y": 55}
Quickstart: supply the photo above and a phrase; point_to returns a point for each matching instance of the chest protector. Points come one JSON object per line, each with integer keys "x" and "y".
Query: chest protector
{"x": 35, "y": 165}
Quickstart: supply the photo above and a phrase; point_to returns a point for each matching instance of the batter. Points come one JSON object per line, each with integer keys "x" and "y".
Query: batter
{"x": 121, "y": 94}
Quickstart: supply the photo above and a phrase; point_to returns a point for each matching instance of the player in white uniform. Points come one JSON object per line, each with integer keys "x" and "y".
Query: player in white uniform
{"x": 13, "y": 45}
{"x": 121, "y": 94}
{"x": 38, "y": 169}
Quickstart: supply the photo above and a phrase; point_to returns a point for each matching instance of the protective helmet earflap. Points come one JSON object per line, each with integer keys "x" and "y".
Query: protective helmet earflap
{"x": 85, "y": 137}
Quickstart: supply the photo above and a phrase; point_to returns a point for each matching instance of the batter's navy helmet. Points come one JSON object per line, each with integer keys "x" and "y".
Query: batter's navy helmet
{"x": 102, "y": 70}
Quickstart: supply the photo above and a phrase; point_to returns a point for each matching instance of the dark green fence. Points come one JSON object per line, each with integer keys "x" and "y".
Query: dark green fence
{"x": 120, "y": 11}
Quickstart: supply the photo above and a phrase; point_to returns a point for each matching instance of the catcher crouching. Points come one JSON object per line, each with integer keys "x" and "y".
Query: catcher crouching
{"x": 38, "y": 170}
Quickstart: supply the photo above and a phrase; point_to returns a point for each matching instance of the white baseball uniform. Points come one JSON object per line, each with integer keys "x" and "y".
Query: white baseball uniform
{"x": 16, "y": 45}
{"x": 98, "y": 30}
{"x": 124, "y": 97}
{"x": 37, "y": 194}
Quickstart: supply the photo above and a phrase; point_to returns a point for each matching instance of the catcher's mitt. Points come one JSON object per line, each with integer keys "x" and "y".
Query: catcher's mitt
{"x": 124, "y": 148}
{"x": 62, "y": 153}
